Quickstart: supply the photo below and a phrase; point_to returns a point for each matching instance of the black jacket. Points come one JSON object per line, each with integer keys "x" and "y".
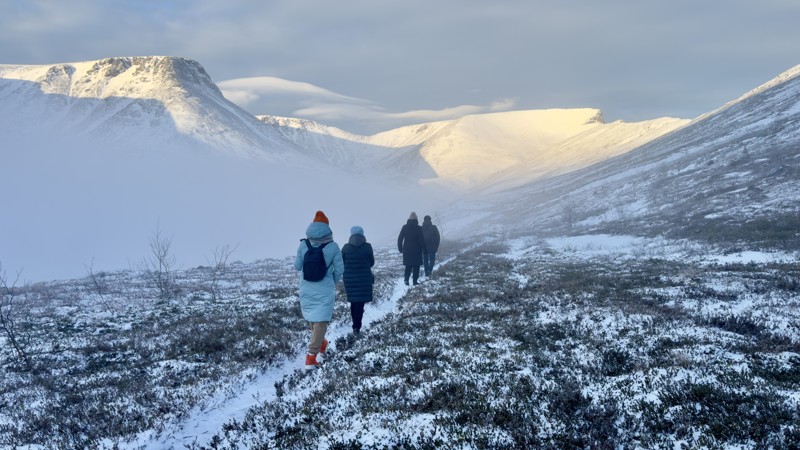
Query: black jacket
{"x": 411, "y": 243}
{"x": 358, "y": 261}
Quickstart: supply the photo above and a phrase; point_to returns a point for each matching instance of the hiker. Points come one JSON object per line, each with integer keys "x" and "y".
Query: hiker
{"x": 317, "y": 297}
{"x": 431, "y": 235}
{"x": 358, "y": 278}
{"x": 412, "y": 246}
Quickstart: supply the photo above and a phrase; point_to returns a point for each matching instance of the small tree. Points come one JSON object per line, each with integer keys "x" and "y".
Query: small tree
{"x": 11, "y": 307}
{"x": 219, "y": 264}
{"x": 159, "y": 267}
{"x": 98, "y": 284}
{"x": 568, "y": 216}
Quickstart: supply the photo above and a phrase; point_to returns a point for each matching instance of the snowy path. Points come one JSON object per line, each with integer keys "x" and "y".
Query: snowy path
{"x": 253, "y": 389}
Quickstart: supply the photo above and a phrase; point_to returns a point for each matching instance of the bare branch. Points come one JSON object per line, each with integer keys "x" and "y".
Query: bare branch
{"x": 219, "y": 264}
{"x": 159, "y": 267}
{"x": 98, "y": 284}
{"x": 9, "y": 306}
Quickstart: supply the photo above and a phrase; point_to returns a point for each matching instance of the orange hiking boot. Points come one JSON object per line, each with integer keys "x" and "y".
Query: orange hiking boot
{"x": 323, "y": 346}
{"x": 311, "y": 361}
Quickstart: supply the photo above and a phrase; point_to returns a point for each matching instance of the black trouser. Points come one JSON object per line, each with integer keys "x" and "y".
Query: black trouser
{"x": 357, "y": 313}
{"x": 410, "y": 269}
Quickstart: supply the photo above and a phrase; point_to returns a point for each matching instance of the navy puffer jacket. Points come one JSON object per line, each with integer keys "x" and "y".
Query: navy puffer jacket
{"x": 358, "y": 261}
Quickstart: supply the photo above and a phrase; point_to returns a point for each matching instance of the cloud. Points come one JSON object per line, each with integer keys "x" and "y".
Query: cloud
{"x": 421, "y": 61}
{"x": 244, "y": 91}
{"x": 428, "y": 115}
{"x": 502, "y": 105}
{"x": 280, "y": 97}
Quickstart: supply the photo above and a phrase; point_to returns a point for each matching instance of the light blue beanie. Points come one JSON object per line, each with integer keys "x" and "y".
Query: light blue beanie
{"x": 357, "y": 230}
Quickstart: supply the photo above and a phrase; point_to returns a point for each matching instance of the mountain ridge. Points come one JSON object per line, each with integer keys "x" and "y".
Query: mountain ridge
{"x": 454, "y": 153}
{"x": 154, "y": 98}
{"x": 728, "y": 176}
{"x": 159, "y": 137}
{"x": 144, "y": 98}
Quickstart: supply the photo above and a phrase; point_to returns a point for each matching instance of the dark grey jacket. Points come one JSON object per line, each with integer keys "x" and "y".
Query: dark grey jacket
{"x": 358, "y": 261}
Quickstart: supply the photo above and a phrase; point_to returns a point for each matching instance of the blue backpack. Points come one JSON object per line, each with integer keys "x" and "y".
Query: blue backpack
{"x": 314, "y": 267}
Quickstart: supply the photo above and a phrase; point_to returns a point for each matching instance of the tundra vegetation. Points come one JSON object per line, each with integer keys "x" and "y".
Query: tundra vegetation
{"x": 514, "y": 343}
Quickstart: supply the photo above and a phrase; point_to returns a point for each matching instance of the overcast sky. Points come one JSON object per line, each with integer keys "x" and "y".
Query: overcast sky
{"x": 368, "y": 66}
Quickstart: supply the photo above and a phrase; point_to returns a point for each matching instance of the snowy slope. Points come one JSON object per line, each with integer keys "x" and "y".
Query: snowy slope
{"x": 410, "y": 135}
{"x": 585, "y": 149}
{"x": 486, "y": 151}
{"x": 360, "y": 154}
{"x": 729, "y": 176}
{"x": 470, "y": 149}
{"x": 497, "y": 149}
{"x": 482, "y": 151}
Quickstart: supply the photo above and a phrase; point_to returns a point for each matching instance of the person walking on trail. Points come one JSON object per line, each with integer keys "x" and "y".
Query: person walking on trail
{"x": 431, "y": 235}
{"x": 358, "y": 278}
{"x": 319, "y": 259}
{"x": 412, "y": 246}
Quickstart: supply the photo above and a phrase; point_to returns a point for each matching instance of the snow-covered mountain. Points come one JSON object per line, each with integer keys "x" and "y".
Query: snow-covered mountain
{"x": 98, "y": 155}
{"x": 103, "y": 152}
{"x": 730, "y": 176}
{"x": 170, "y": 101}
{"x": 594, "y": 145}
{"x": 470, "y": 149}
{"x": 497, "y": 149}
{"x": 162, "y": 100}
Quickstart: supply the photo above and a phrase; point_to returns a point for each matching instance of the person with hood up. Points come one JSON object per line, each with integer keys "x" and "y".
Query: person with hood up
{"x": 412, "y": 245}
{"x": 317, "y": 297}
{"x": 358, "y": 278}
{"x": 431, "y": 235}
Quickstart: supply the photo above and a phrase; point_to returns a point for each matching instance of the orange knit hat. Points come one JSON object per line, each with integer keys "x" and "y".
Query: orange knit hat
{"x": 320, "y": 217}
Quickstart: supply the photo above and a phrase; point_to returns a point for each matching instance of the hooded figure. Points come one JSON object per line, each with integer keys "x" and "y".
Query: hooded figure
{"x": 317, "y": 297}
{"x": 358, "y": 278}
{"x": 431, "y": 235}
{"x": 412, "y": 245}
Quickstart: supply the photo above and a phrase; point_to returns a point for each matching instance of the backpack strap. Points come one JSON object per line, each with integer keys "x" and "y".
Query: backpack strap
{"x": 323, "y": 255}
